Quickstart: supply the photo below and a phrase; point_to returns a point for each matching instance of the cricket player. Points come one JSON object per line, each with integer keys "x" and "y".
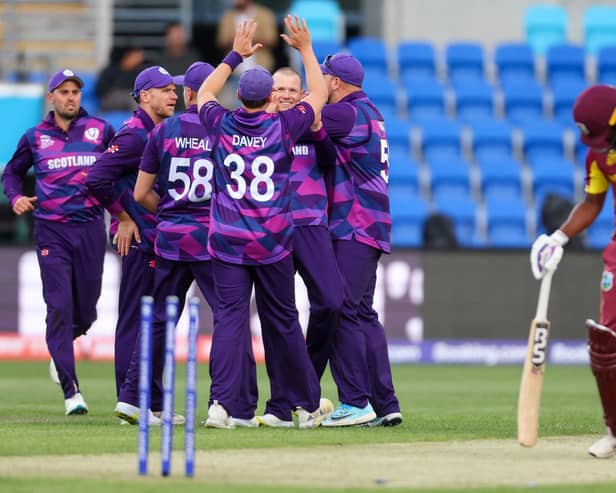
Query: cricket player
{"x": 360, "y": 225}
{"x": 313, "y": 252}
{"x": 594, "y": 112}
{"x": 69, "y": 229}
{"x": 133, "y": 228}
{"x": 251, "y": 228}
{"x": 178, "y": 158}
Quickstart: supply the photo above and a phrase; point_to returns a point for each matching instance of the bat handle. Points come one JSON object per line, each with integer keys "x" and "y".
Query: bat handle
{"x": 544, "y": 296}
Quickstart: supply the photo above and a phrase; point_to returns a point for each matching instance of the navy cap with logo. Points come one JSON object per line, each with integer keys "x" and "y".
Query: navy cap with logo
{"x": 594, "y": 112}
{"x": 255, "y": 84}
{"x": 61, "y": 77}
{"x": 194, "y": 75}
{"x": 346, "y": 67}
{"x": 150, "y": 77}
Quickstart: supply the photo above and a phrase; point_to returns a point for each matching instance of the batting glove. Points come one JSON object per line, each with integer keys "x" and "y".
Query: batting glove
{"x": 546, "y": 253}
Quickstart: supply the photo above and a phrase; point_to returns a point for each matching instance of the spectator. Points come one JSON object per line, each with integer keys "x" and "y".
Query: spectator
{"x": 267, "y": 32}
{"x": 178, "y": 55}
{"x": 115, "y": 81}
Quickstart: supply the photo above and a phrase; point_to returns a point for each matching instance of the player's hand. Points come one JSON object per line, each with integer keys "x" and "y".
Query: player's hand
{"x": 242, "y": 41}
{"x": 127, "y": 229}
{"x": 298, "y": 35}
{"x": 546, "y": 253}
{"x": 24, "y": 204}
{"x": 272, "y": 106}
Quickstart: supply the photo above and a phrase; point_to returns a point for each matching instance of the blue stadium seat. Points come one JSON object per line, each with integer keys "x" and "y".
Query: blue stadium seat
{"x": 491, "y": 138}
{"x": 565, "y": 61}
{"x": 606, "y": 65}
{"x": 325, "y": 18}
{"x": 425, "y": 97}
{"x": 403, "y": 173}
{"x": 523, "y": 100}
{"x": 449, "y": 176}
{"x": 474, "y": 98}
{"x": 398, "y": 134}
{"x": 464, "y": 59}
{"x": 514, "y": 61}
{"x": 501, "y": 178}
{"x": 371, "y": 52}
{"x": 382, "y": 91}
{"x": 506, "y": 223}
{"x": 325, "y": 47}
{"x": 544, "y": 26}
{"x": 416, "y": 58}
{"x": 463, "y": 212}
{"x": 115, "y": 118}
{"x": 564, "y": 93}
{"x": 408, "y": 215}
{"x": 543, "y": 139}
{"x": 599, "y": 27}
{"x": 600, "y": 232}
{"x": 440, "y": 137}
{"x": 552, "y": 176}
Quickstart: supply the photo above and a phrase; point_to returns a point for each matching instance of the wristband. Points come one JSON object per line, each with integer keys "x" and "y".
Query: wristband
{"x": 559, "y": 237}
{"x": 233, "y": 59}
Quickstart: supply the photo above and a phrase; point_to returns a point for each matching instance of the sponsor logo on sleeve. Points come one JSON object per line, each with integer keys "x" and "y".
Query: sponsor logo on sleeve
{"x": 607, "y": 281}
{"x": 113, "y": 148}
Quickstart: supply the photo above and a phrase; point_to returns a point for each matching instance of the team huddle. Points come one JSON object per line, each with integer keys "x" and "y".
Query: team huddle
{"x": 292, "y": 181}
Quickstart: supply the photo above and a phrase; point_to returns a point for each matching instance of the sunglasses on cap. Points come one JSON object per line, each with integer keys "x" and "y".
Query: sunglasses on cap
{"x": 328, "y": 65}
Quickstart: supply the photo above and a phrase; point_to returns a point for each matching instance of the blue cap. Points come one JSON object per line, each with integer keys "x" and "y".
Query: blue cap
{"x": 150, "y": 77}
{"x": 61, "y": 77}
{"x": 256, "y": 84}
{"x": 194, "y": 75}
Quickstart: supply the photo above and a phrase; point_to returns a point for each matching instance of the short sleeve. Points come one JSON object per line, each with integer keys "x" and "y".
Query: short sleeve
{"x": 297, "y": 120}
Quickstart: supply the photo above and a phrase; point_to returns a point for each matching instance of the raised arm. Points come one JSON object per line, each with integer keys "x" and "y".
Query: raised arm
{"x": 298, "y": 37}
{"x": 242, "y": 48}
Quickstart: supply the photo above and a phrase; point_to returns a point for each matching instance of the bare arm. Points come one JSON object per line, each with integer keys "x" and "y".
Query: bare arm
{"x": 299, "y": 38}
{"x": 583, "y": 214}
{"x": 144, "y": 191}
{"x": 242, "y": 44}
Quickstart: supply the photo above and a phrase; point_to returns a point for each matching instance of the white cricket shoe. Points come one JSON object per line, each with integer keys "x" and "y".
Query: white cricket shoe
{"x": 245, "y": 423}
{"x": 75, "y": 405}
{"x": 272, "y": 421}
{"x": 309, "y": 420}
{"x": 217, "y": 417}
{"x": 605, "y": 447}
{"x": 53, "y": 373}
{"x": 178, "y": 419}
{"x": 130, "y": 414}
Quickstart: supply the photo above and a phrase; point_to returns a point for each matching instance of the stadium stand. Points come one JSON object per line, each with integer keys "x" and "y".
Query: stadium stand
{"x": 544, "y": 26}
{"x": 599, "y": 27}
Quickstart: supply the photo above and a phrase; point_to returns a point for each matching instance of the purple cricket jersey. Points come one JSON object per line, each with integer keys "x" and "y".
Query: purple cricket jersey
{"x": 359, "y": 198}
{"x": 307, "y": 185}
{"x": 61, "y": 162}
{"x": 178, "y": 151}
{"x": 251, "y": 220}
{"x": 112, "y": 178}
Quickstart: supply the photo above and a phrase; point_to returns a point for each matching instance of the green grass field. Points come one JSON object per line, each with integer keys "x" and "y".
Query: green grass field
{"x": 469, "y": 407}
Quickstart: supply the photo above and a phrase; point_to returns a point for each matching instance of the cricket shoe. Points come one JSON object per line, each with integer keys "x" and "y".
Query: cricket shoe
{"x": 391, "y": 419}
{"x": 309, "y": 420}
{"x": 245, "y": 423}
{"x": 217, "y": 417}
{"x": 53, "y": 373}
{"x": 605, "y": 447}
{"x": 272, "y": 421}
{"x": 75, "y": 405}
{"x": 178, "y": 419}
{"x": 129, "y": 413}
{"x": 347, "y": 415}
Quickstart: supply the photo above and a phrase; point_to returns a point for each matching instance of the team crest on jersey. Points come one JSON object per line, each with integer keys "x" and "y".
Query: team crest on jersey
{"x": 607, "y": 281}
{"x": 301, "y": 108}
{"x": 113, "y": 148}
{"x": 92, "y": 134}
{"x": 46, "y": 141}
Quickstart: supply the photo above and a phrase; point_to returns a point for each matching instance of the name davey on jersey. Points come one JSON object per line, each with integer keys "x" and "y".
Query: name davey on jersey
{"x": 247, "y": 141}
{"x": 193, "y": 143}
{"x": 71, "y": 161}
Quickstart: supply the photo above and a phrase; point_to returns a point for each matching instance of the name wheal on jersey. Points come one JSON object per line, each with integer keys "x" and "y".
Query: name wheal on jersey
{"x": 192, "y": 143}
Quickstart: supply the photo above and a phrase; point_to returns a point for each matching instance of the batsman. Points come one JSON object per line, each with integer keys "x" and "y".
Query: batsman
{"x": 594, "y": 112}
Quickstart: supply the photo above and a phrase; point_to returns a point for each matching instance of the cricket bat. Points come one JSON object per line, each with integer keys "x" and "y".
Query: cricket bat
{"x": 529, "y": 399}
